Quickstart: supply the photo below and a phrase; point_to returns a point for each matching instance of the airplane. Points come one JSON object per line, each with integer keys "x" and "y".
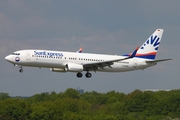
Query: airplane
{"x": 63, "y": 61}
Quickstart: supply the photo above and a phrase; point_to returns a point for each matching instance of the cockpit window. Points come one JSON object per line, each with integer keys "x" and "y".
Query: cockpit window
{"x": 15, "y": 53}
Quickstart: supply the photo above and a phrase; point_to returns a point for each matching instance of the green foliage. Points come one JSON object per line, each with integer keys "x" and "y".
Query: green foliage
{"x": 14, "y": 108}
{"x": 138, "y": 105}
{"x": 71, "y": 93}
{"x": 4, "y": 96}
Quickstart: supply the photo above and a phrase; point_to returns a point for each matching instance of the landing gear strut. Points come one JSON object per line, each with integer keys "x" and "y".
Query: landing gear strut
{"x": 21, "y": 69}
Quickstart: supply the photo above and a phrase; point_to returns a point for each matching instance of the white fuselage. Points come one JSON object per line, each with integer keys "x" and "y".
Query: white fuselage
{"x": 58, "y": 60}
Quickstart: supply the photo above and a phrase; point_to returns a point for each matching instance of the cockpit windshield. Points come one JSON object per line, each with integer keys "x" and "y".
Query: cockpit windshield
{"x": 15, "y": 54}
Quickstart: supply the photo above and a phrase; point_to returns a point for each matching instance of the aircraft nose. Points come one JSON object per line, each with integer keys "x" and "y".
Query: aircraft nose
{"x": 8, "y": 58}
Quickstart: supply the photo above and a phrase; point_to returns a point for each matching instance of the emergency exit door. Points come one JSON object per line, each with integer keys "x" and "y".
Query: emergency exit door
{"x": 28, "y": 56}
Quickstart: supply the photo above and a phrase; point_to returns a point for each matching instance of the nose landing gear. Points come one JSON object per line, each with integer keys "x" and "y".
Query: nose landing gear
{"x": 21, "y": 70}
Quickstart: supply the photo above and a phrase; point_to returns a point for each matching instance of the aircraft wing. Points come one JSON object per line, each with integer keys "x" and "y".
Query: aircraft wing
{"x": 95, "y": 66}
{"x": 155, "y": 61}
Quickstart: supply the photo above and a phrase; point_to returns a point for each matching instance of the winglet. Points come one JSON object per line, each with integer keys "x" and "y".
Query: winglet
{"x": 134, "y": 53}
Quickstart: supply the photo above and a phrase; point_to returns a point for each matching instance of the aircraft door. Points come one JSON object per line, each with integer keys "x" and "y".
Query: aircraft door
{"x": 135, "y": 64}
{"x": 28, "y": 55}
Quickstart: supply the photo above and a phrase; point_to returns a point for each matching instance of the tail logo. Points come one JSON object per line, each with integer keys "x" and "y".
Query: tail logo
{"x": 153, "y": 40}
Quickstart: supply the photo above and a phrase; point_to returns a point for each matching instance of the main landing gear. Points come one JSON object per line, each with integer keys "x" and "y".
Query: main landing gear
{"x": 88, "y": 75}
{"x": 79, "y": 75}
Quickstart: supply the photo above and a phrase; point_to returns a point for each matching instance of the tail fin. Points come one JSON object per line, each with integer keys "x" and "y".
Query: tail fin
{"x": 80, "y": 50}
{"x": 149, "y": 49}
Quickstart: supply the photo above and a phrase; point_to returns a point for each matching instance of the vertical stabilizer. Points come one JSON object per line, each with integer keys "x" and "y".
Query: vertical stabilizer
{"x": 150, "y": 47}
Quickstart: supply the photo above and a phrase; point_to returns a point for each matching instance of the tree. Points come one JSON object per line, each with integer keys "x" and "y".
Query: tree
{"x": 4, "y": 96}
{"x": 71, "y": 93}
{"x": 13, "y": 108}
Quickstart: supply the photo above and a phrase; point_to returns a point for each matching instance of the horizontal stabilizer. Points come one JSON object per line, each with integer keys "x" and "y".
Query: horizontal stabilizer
{"x": 155, "y": 61}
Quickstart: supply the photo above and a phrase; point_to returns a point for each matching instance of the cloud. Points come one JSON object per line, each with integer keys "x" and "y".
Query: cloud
{"x": 8, "y": 46}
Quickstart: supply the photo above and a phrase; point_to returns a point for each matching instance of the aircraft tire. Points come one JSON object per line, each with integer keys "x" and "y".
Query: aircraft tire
{"x": 21, "y": 70}
{"x": 79, "y": 75}
{"x": 88, "y": 75}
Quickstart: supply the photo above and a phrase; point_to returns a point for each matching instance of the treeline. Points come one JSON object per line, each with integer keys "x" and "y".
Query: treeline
{"x": 71, "y": 105}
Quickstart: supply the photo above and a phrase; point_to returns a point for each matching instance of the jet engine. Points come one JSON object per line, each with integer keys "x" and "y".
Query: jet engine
{"x": 72, "y": 67}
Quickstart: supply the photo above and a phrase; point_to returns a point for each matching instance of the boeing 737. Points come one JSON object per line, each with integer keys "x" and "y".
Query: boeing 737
{"x": 62, "y": 61}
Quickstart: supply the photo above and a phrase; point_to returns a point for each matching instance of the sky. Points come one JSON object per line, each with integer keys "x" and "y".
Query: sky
{"x": 97, "y": 26}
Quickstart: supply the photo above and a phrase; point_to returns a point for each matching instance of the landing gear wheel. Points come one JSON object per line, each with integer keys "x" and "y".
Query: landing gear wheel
{"x": 79, "y": 75}
{"x": 88, "y": 75}
{"x": 21, "y": 70}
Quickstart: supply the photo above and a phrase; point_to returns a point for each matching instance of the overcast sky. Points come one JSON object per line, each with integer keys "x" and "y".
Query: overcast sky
{"x": 98, "y": 26}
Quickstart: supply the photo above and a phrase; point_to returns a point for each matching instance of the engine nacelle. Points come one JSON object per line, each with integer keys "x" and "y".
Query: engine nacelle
{"x": 57, "y": 70}
{"x": 72, "y": 67}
